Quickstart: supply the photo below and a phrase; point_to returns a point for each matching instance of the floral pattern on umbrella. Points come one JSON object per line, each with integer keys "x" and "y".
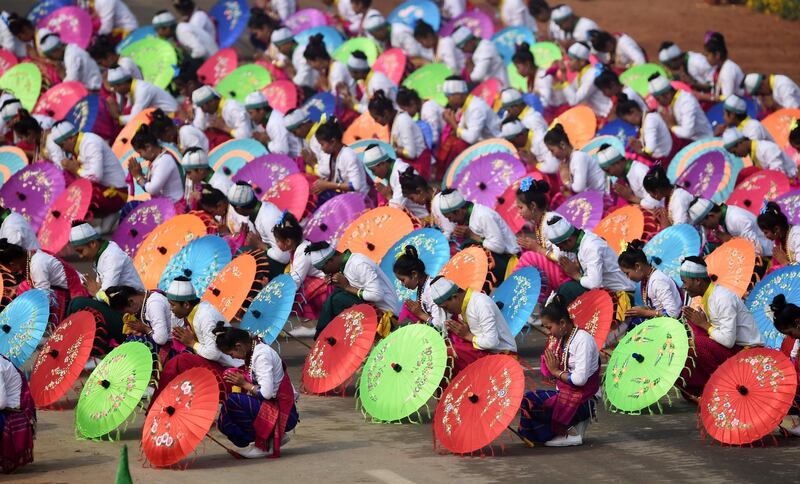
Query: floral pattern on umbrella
{"x": 32, "y": 190}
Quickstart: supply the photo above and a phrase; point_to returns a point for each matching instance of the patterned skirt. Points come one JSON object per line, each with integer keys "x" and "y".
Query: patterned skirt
{"x": 17, "y": 428}
{"x": 553, "y": 276}
{"x": 238, "y": 415}
{"x": 708, "y": 355}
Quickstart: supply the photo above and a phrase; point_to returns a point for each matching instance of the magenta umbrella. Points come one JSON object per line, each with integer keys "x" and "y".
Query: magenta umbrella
{"x": 584, "y": 210}
{"x": 72, "y": 24}
{"x": 487, "y": 177}
{"x": 478, "y": 21}
{"x": 142, "y": 220}
{"x": 263, "y": 172}
{"x": 32, "y": 190}
{"x": 703, "y": 177}
{"x": 332, "y": 217}
{"x": 305, "y": 19}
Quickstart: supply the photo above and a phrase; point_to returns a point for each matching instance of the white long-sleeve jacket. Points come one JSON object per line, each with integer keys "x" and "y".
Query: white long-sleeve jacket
{"x": 732, "y": 322}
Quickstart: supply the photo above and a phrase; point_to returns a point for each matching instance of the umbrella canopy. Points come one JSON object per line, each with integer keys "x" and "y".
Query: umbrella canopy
{"x": 320, "y": 105}
{"x": 290, "y": 193}
{"x": 731, "y": 264}
{"x": 43, "y": 8}
{"x": 411, "y": 11}
{"x": 637, "y": 76}
{"x": 340, "y": 349}
{"x": 790, "y": 206}
{"x": 332, "y": 37}
{"x": 509, "y": 38}
{"x": 546, "y": 53}
{"x": 467, "y": 268}
{"x": 593, "y": 312}
{"x": 715, "y": 115}
{"x": 264, "y": 171}
{"x": 332, "y": 217}
{"x": 486, "y": 178}
{"x": 433, "y": 249}
{"x": 143, "y": 32}
{"x": 762, "y": 186}
{"x": 232, "y": 155}
{"x": 231, "y": 18}
{"x": 365, "y": 127}
{"x": 619, "y": 129}
{"x": 786, "y": 281}
{"x": 72, "y": 24}
{"x": 114, "y": 390}
{"x": 24, "y": 81}
{"x": 402, "y": 373}
{"x": 158, "y": 248}
{"x": 22, "y": 324}
{"x": 7, "y": 61}
{"x": 712, "y": 175}
{"x": 242, "y": 81}
{"x": 156, "y": 58}
{"x": 235, "y": 286}
{"x": 489, "y": 146}
{"x": 62, "y": 358}
{"x": 180, "y": 417}
{"x": 478, "y": 405}
{"x": 478, "y": 21}
{"x": 580, "y": 123}
{"x": 140, "y": 221}
{"x": 200, "y": 260}
{"x": 779, "y": 124}
{"x": 72, "y": 204}
{"x": 122, "y": 144}
{"x": 646, "y": 364}
{"x": 30, "y": 191}
{"x": 621, "y": 226}
{"x": 506, "y": 205}
{"x": 281, "y": 95}
{"x": 12, "y": 160}
{"x": 374, "y": 232}
{"x": 593, "y": 146}
{"x": 218, "y": 66}
{"x": 270, "y": 309}
{"x": 691, "y": 152}
{"x": 668, "y": 248}
{"x": 583, "y": 210}
{"x": 428, "y": 81}
{"x": 57, "y": 101}
{"x": 306, "y": 18}
{"x": 488, "y": 90}
{"x": 392, "y": 63}
{"x": 748, "y": 396}
{"x": 364, "y": 44}
{"x": 84, "y": 113}
{"x": 517, "y": 297}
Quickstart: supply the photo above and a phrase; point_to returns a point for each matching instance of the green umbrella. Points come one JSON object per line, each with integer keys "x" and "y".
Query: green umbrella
{"x": 243, "y": 80}
{"x": 403, "y": 372}
{"x": 114, "y": 390}
{"x": 545, "y": 53}
{"x": 428, "y": 81}
{"x": 155, "y": 57}
{"x": 636, "y": 77}
{"x": 24, "y": 81}
{"x": 364, "y": 44}
{"x": 646, "y": 364}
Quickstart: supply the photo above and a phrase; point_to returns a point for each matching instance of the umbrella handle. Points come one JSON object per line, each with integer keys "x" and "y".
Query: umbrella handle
{"x": 527, "y": 442}
{"x": 296, "y": 339}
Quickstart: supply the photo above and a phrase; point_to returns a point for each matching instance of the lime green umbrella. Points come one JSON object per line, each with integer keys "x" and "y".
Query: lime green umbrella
{"x": 243, "y": 80}
{"x": 636, "y": 77}
{"x": 545, "y": 53}
{"x": 428, "y": 81}
{"x": 364, "y": 44}
{"x": 646, "y": 364}
{"x": 402, "y": 373}
{"x": 114, "y": 390}
{"x": 156, "y": 58}
{"x": 24, "y": 81}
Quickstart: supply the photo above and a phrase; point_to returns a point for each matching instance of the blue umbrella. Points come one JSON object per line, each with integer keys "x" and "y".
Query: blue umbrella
{"x": 43, "y": 8}
{"x": 594, "y": 145}
{"x": 319, "y": 104}
{"x": 714, "y": 114}
{"x": 83, "y": 114}
{"x": 620, "y": 129}
{"x": 270, "y": 309}
{"x": 135, "y": 36}
{"x": 533, "y": 101}
{"x": 22, "y": 324}
{"x": 413, "y": 10}
{"x": 507, "y": 40}
{"x": 12, "y": 160}
{"x": 433, "y": 249}
{"x": 332, "y": 38}
{"x": 517, "y": 297}
{"x": 200, "y": 260}
{"x": 232, "y": 155}
{"x": 786, "y": 281}
{"x": 668, "y": 248}
{"x": 231, "y": 18}
{"x": 427, "y": 133}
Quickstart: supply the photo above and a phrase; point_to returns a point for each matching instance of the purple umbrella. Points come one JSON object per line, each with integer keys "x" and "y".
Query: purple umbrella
{"x": 478, "y": 21}
{"x": 332, "y": 217}
{"x": 305, "y": 19}
{"x": 702, "y": 178}
{"x": 790, "y": 206}
{"x": 487, "y": 177}
{"x": 142, "y": 220}
{"x": 584, "y": 210}
{"x": 32, "y": 190}
{"x": 265, "y": 171}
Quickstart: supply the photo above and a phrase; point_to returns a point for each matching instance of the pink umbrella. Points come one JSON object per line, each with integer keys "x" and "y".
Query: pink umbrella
{"x": 305, "y": 19}
{"x": 218, "y": 66}
{"x": 265, "y": 171}
{"x": 332, "y": 217}
{"x": 761, "y": 186}
{"x": 142, "y": 220}
{"x": 7, "y": 61}
{"x": 290, "y": 193}
{"x": 72, "y": 24}
{"x": 477, "y": 20}
{"x": 59, "y": 99}
{"x": 584, "y": 210}
{"x": 32, "y": 190}
{"x": 277, "y": 74}
{"x": 392, "y": 63}
{"x": 282, "y": 95}
{"x": 487, "y": 177}
{"x": 488, "y": 90}
{"x": 507, "y": 203}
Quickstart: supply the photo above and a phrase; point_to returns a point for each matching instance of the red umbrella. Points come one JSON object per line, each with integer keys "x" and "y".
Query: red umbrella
{"x": 479, "y": 404}
{"x": 59, "y": 99}
{"x": 392, "y": 63}
{"x": 218, "y": 66}
{"x": 340, "y": 349}
{"x": 7, "y": 61}
{"x": 290, "y": 193}
{"x": 593, "y": 311}
{"x": 748, "y": 396}
{"x": 71, "y": 205}
{"x": 507, "y": 203}
{"x": 60, "y": 362}
{"x": 753, "y": 190}
{"x": 282, "y": 95}
{"x": 488, "y": 90}
{"x": 180, "y": 417}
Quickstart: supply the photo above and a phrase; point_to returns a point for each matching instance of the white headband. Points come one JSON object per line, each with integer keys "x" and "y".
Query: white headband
{"x": 320, "y": 257}
{"x": 752, "y": 82}
{"x": 194, "y": 159}
{"x": 699, "y": 210}
{"x": 241, "y": 195}
{"x": 454, "y": 86}
{"x": 450, "y": 202}
{"x": 181, "y": 290}
{"x": 442, "y": 289}
{"x": 578, "y": 51}
{"x": 659, "y": 85}
{"x": 670, "y": 53}
{"x": 735, "y": 104}
{"x": 693, "y": 270}
{"x": 82, "y": 234}
{"x": 609, "y": 156}
{"x": 357, "y": 64}
{"x": 512, "y": 129}
{"x": 164, "y": 19}
{"x": 731, "y": 137}
{"x": 558, "y": 229}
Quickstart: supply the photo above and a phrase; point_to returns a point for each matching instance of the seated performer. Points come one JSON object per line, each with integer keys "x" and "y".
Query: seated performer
{"x": 17, "y": 230}
{"x": 17, "y": 418}
{"x": 579, "y": 171}
{"x": 763, "y": 153}
{"x": 655, "y": 139}
{"x": 728, "y": 221}
{"x": 268, "y": 125}
{"x": 406, "y": 136}
{"x": 442, "y": 47}
{"x": 195, "y": 42}
{"x": 775, "y": 226}
{"x": 630, "y": 176}
{"x": 583, "y": 90}
{"x": 483, "y": 61}
{"x": 338, "y": 166}
{"x": 734, "y": 115}
{"x": 560, "y": 417}
{"x": 676, "y": 200}
{"x": 368, "y": 81}
{"x": 198, "y": 173}
{"x": 419, "y": 191}
{"x": 778, "y": 92}
{"x": 136, "y": 95}
{"x": 389, "y": 170}
{"x": 148, "y": 319}
{"x": 721, "y": 327}
{"x": 786, "y": 317}
{"x": 221, "y": 119}
{"x": 681, "y": 111}
{"x": 257, "y": 417}
{"x": 660, "y": 294}
{"x": 410, "y": 271}
{"x": 165, "y": 178}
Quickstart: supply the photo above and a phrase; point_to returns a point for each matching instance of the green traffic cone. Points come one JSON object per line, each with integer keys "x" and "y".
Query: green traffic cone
{"x": 123, "y": 473}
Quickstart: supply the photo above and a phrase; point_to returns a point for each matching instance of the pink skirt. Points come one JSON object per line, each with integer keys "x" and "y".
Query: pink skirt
{"x": 551, "y": 273}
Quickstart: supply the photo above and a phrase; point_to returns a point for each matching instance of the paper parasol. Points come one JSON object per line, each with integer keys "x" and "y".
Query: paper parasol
{"x": 140, "y": 221}
{"x": 340, "y": 349}
{"x": 290, "y": 193}
{"x": 270, "y": 309}
{"x": 231, "y": 18}
{"x": 428, "y": 81}
{"x": 230, "y": 156}
{"x": 489, "y": 146}
{"x": 180, "y": 417}
{"x": 264, "y": 171}
{"x": 30, "y": 191}
{"x": 486, "y": 178}
{"x": 156, "y": 58}
{"x": 365, "y": 127}
{"x": 144, "y": 32}
{"x": 332, "y": 217}
{"x": 427, "y": 132}
{"x": 43, "y": 8}
{"x": 216, "y": 67}
{"x": 731, "y": 264}
{"x": 546, "y": 53}
{"x": 593, "y": 146}
{"x": 12, "y": 160}
{"x": 433, "y": 249}
{"x": 319, "y": 106}
{"x": 478, "y": 405}
{"x": 281, "y": 95}
{"x": 7, "y": 61}
{"x": 72, "y": 24}
{"x": 488, "y": 90}
{"x": 506, "y": 205}
{"x": 411, "y": 11}
{"x": 304, "y": 19}
{"x": 330, "y": 36}
{"x": 637, "y": 77}
{"x": 716, "y": 114}
{"x": 583, "y": 210}
{"x": 619, "y": 129}
{"x": 621, "y": 226}
{"x": 762, "y": 186}
{"x": 24, "y": 81}
{"x": 517, "y": 297}
{"x": 747, "y": 396}
{"x": 374, "y": 232}
{"x": 364, "y": 44}
{"x": 778, "y": 125}
{"x": 402, "y": 373}
{"x": 468, "y": 268}
{"x": 580, "y": 123}
{"x": 72, "y": 204}
{"x": 790, "y": 206}
{"x": 114, "y": 390}
{"x": 478, "y": 21}
{"x": 786, "y": 281}
{"x": 62, "y": 358}
{"x": 710, "y": 176}
{"x": 59, "y": 99}
{"x": 22, "y": 324}
{"x": 166, "y": 240}
{"x": 392, "y": 63}
{"x": 234, "y": 287}
{"x": 646, "y": 364}
{"x": 593, "y": 312}
{"x": 200, "y": 260}
{"x": 668, "y": 248}
{"x": 83, "y": 115}
{"x": 689, "y": 153}
{"x": 242, "y": 81}
{"x": 122, "y": 144}
{"x": 509, "y": 38}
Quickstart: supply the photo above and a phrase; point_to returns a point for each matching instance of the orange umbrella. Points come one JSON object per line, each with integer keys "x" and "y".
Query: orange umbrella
{"x": 235, "y": 286}
{"x": 621, "y": 227}
{"x": 375, "y": 232}
{"x": 580, "y": 123}
{"x": 364, "y": 127}
{"x": 731, "y": 264}
{"x": 593, "y": 311}
{"x": 122, "y": 144}
{"x": 165, "y": 241}
{"x": 467, "y": 268}
{"x": 778, "y": 124}
{"x": 72, "y": 204}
